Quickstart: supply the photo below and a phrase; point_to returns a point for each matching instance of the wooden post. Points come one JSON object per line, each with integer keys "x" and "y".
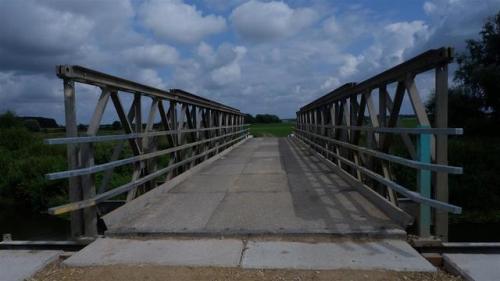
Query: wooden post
{"x": 75, "y": 192}
{"x": 441, "y": 190}
{"x": 174, "y": 156}
{"x": 87, "y": 158}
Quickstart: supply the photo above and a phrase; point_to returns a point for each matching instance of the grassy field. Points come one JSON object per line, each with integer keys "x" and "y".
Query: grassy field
{"x": 271, "y": 130}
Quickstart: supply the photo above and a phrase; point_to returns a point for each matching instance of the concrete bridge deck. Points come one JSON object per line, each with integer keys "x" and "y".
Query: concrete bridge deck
{"x": 263, "y": 186}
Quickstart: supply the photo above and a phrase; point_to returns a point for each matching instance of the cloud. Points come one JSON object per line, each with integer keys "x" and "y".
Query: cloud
{"x": 392, "y": 43}
{"x": 222, "y": 65}
{"x": 179, "y": 22}
{"x": 277, "y": 56}
{"x": 150, "y": 77}
{"x": 263, "y": 21}
{"x": 222, "y": 5}
{"x": 21, "y": 92}
{"x": 32, "y": 37}
{"x": 454, "y": 21}
{"x": 154, "y": 55}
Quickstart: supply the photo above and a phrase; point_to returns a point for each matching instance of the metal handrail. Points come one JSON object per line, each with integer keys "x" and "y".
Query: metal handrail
{"x": 335, "y": 124}
{"x": 195, "y": 129}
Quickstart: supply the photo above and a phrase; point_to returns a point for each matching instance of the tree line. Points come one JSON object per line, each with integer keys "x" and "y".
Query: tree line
{"x": 261, "y": 118}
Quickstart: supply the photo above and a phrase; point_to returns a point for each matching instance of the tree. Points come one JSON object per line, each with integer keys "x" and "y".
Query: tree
{"x": 479, "y": 67}
{"x": 32, "y": 125}
{"x": 460, "y": 104}
{"x": 116, "y": 125}
{"x": 249, "y": 119}
{"x": 267, "y": 118}
{"x": 82, "y": 127}
{"x": 9, "y": 120}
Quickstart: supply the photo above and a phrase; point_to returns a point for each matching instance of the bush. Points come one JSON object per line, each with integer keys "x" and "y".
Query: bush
{"x": 24, "y": 161}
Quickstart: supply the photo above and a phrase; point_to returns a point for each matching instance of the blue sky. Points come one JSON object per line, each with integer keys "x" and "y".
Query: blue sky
{"x": 258, "y": 56}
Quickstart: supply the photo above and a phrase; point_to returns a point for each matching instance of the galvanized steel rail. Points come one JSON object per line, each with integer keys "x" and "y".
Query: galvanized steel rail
{"x": 192, "y": 130}
{"x": 358, "y": 135}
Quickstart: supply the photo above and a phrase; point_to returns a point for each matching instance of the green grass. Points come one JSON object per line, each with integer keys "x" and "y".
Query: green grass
{"x": 408, "y": 122}
{"x": 271, "y": 130}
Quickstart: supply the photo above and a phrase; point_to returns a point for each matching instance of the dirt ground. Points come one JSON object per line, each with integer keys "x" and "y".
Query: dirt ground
{"x": 152, "y": 273}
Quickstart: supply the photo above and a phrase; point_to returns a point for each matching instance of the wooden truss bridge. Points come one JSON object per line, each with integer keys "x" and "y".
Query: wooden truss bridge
{"x": 194, "y": 169}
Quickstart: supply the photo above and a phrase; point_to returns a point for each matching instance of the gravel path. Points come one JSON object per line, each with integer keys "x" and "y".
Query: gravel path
{"x": 153, "y": 273}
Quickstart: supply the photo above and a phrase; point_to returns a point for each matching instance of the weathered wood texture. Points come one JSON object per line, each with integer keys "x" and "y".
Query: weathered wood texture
{"x": 184, "y": 136}
{"x": 365, "y": 141}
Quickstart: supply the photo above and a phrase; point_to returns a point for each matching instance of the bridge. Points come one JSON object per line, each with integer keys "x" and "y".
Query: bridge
{"x": 350, "y": 169}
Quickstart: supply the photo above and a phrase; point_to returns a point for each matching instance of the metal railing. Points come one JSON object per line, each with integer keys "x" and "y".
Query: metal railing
{"x": 359, "y": 140}
{"x": 192, "y": 130}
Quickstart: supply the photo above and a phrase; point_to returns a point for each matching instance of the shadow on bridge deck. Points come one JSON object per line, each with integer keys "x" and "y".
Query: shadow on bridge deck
{"x": 264, "y": 186}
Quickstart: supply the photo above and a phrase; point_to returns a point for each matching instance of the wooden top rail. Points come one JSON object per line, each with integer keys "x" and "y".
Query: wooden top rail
{"x": 89, "y": 76}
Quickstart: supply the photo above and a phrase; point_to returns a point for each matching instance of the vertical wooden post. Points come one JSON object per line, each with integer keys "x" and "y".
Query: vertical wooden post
{"x": 441, "y": 190}
{"x": 87, "y": 158}
{"x": 75, "y": 192}
{"x": 382, "y": 110}
{"x": 172, "y": 116}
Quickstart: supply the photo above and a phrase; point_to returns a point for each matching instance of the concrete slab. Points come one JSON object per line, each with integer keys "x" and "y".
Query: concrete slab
{"x": 260, "y": 183}
{"x": 22, "y": 264}
{"x": 223, "y": 169}
{"x": 474, "y": 267}
{"x": 204, "y": 252}
{"x": 175, "y": 213}
{"x": 255, "y": 198}
{"x": 267, "y": 154}
{"x": 256, "y": 213}
{"x": 206, "y": 183}
{"x": 268, "y": 165}
{"x": 385, "y": 254}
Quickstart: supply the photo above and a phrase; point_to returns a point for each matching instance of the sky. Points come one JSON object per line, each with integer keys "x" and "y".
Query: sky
{"x": 258, "y": 56}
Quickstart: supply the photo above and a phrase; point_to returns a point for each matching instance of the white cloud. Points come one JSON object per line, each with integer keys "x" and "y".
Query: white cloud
{"x": 429, "y": 7}
{"x": 223, "y": 64}
{"x": 226, "y": 74}
{"x": 151, "y": 78}
{"x": 299, "y": 59}
{"x": 180, "y": 22}
{"x": 454, "y": 21}
{"x": 349, "y": 66}
{"x": 394, "y": 43}
{"x": 152, "y": 55}
{"x": 262, "y": 21}
{"x": 330, "y": 84}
